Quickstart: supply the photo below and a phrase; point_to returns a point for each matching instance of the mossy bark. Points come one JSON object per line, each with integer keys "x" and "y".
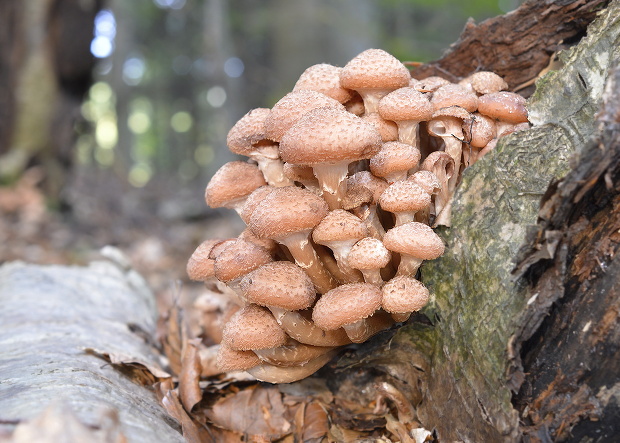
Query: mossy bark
{"x": 479, "y": 301}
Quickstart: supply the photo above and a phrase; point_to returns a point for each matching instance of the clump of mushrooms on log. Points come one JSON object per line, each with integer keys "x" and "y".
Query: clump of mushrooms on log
{"x": 346, "y": 177}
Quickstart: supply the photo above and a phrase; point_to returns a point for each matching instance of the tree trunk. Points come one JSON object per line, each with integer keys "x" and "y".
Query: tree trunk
{"x": 45, "y": 70}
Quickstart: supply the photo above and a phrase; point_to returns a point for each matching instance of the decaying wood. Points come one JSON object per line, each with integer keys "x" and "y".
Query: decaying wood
{"x": 518, "y": 45}
{"x": 80, "y": 338}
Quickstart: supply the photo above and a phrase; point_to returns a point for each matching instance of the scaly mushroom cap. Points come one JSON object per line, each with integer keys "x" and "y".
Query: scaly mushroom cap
{"x": 199, "y": 266}
{"x": 238, "y": 259}
{"x": 414, "y": 239}
{"x": 404, "y": 294}
{"x": 232, "y": 182}
{"x": 454, "y": 95}
{"x": 404, "y": 195}
{"x": 287, "y": 210}
{"x": 253, "y": 200}
{"x": 247, "y": 132}
{"x": 429, "y": 181}
{"x": 324, "y": 78}
{"x": 346, "y": 304}
{"x": 504, "y": 106}
{"x": 369, "y": 253}
{"x": 387, "y": 128}
{"x": 253, "y": 327}
{"x": 374, "y": 69}
{"x": 292, "y": 107}
{"x": 229, "y": 360}
{"x": 405, "y": 104}
{"x": 486, "y": 82}
{"x": 430, "y": 84}
{"x": 329, "y": 135}
{"x": 338, "y": 225}
{"x": 394, "y": 158}
{"x": 282, "y": 284}
{"x": 366, "y": 180}
{"x": 481, "y": 130}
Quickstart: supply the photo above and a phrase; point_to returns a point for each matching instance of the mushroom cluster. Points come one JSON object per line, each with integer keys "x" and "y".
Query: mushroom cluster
{"x": 347, "y": 175}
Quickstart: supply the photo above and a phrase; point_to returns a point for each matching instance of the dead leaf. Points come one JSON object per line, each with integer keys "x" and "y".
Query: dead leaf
{"x": 139, "y": 371}
{"x": 193, "y": 432}
{"x": 189, "y": 378}
{"x": 172, "y": 340}
{"x": 257, "y": 411}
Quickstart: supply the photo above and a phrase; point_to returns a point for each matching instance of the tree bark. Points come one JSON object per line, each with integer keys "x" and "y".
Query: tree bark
{"x": 83, "y": 337}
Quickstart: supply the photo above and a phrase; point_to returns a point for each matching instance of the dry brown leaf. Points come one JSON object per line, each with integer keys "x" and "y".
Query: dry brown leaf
{"x": 189, "y": 378}
{"x": 172, "y": 340}
{"x": 193, "y": 432}
{"x": 139, "y": 371}
{"x": 315, "y": 425}
{"x": 257, "y": 411}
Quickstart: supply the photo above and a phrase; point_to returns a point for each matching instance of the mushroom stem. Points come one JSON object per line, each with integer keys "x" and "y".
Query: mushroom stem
{"x": 408, "y": 265}
{"x": 281, "y": 374}
{"x": 305, "y": 331}
{"x": 306, "y": 258}
{"x": 268, "y": 159}
{"x": 362, "y": 330}
{"x": 332, "y": 180}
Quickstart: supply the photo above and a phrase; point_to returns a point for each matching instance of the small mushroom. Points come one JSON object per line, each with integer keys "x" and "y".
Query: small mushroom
{"x": 324, "y": 78}
{"x": 339, "y": 231}
{"x": 370, "y": 255}
{"x": 373, "y": 74}
{"x": 232, "y": 183}
{"x": 229, "y": 360}
{"x": 403, "y": 295}
{"x": 442, "y": 165}
{"x": 415, "y": 242}
{"x": 404, "y": 199}
{"x": 406, "y": 107}
{"x": 348, "y": 306}
{"x": 253, "y": 327}
{"x": 288, "y": 374}
{"x": 329, "y": 139}
{"x": 247, "y": 137}
{"x": 394, "y": 160}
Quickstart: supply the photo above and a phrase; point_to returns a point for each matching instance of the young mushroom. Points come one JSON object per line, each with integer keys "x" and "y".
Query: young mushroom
{"x": 442, "y": 166}
{"x": 288, "y": 374}
{"x": 404, "y": 199}
{"x": 232, "y": 183}
{"x": 253, "y": 327}
{"x": 394, "y": 161}
{"x": 329, "y": 139}
{"x": 403, "y": 295}
{"x": 407, "y": 108}
{"x": 247, "y": 137}
{"x": 348, "y": 306}
{"x": 339, "y": 231}
{"x": 324, "y": 78}
{"x": 370, "y": 255}
{"x": 415, "y": 242}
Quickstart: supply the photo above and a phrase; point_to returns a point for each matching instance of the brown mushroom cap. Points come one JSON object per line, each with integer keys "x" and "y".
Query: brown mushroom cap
{"x": 486, "y": 82}
{"x": 253, "y": 200}
{"x": 393, "y": 160}
{"x": 199, "y": 266}
{"x": 324, "y": 78}
{"x": 405, "y": 104}
{"x": 427, "y": 180}
{"x": 387, "y": 128}
{"x": 287, "y": 210}
{"x": 415, "y": 239}
{"x": 253, "y": 327}
{"x": 338, "y": 225}
{"x": 238, "y": 259}
{"x": 481, "y": 130}
{"x": 282, "y": 284}
{"x": 430, "y": 84}
{"x": 404, "y": 294}
{"x": 404, "y": 195}
{"x": 233, "y": 182}
{"x": 454, "y": 95}
{"x": 374, "y": 69}
{"x": 346, "y": 304}
{"x": 369, "y": 253}
{"x": 504, "y": 106}
{"x": 229, "y": 360}
{"x": 248, "y": 131}
{"x": 290, "y": 108}
{"x": 329, "y": 135}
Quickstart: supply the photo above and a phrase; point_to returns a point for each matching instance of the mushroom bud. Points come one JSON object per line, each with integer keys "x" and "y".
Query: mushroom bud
{"x": 232, "y": 183}
{"x": 403, "y": 295}
{"x": 415, "y": 242}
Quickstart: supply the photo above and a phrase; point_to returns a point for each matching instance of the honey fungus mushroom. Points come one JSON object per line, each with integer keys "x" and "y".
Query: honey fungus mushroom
{"x": 336, "y": 235}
